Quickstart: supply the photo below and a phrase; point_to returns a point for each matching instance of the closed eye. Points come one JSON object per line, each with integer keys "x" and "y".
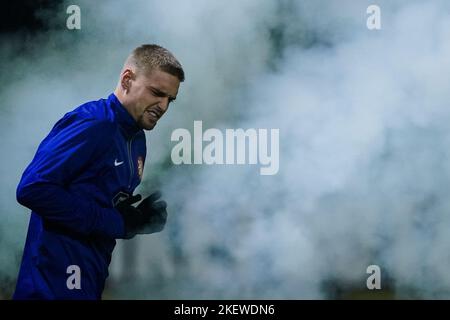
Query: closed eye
{"x": 159, "y": 93}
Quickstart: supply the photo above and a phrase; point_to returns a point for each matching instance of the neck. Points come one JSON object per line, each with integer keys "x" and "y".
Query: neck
{"x": 121, "y": 97}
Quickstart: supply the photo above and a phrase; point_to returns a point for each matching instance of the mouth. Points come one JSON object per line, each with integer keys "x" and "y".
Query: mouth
{"x": 153, "y": 114}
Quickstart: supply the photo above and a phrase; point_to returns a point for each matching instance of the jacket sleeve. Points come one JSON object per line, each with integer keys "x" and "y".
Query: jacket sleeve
{"x": 71, "y": 146}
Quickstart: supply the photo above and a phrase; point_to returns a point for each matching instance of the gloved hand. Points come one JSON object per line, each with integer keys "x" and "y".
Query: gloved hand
{"x": 132, "y": 217}
{"x": 154, "y": 212}
{"x": 149, "y": 217}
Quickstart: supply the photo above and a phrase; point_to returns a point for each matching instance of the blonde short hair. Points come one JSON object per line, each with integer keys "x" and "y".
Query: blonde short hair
{"x": 148, "y": 57}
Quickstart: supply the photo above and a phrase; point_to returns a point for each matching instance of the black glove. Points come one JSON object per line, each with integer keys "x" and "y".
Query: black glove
{"x": 132, "y": 217}
{"x": 149, "y": 216}
{"x": 154, "y": 212}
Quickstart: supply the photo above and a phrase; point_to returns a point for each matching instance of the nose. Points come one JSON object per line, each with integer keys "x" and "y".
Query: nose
{"x": 164, "y": 104}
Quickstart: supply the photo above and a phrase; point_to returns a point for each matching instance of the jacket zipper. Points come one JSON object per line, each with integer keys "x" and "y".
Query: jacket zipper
{"x": 130, "y": 161}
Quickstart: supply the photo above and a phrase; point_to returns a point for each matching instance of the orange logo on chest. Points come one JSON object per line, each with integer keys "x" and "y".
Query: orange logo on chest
{"x": 140, "y": 167}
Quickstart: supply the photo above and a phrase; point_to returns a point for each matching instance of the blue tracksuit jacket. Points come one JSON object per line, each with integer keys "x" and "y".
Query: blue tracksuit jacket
{"x": 92, "y": 159}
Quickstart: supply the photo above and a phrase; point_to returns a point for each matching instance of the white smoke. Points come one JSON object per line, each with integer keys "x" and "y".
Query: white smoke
{"x": 362, "y": 169}
{"x": 363, "y": 142}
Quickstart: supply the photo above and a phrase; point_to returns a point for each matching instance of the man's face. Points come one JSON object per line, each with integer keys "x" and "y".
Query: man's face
{"x": 149, "y": 95}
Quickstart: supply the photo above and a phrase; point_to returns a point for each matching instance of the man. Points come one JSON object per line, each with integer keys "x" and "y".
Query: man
{"x": 80, "y": 183}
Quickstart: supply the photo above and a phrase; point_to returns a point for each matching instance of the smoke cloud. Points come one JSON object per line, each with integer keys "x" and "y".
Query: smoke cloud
{"x": 363, "y": 143}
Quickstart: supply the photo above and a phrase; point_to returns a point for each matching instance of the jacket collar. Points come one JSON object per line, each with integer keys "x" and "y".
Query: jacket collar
{"x": 126, "y": 122}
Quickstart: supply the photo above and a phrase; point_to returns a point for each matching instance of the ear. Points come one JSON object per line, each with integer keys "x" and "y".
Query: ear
{"x": 126, "y": 78}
